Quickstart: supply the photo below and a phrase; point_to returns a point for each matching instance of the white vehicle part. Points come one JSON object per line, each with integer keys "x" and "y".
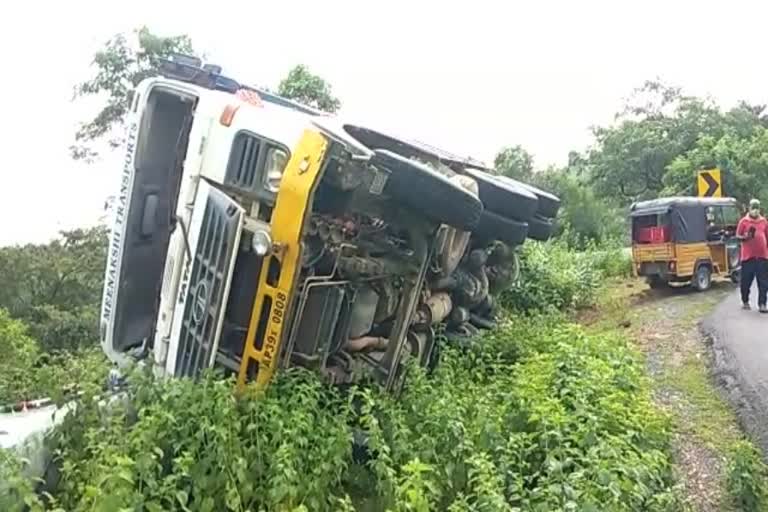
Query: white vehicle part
{"x": 214, "y": 237}
{"x": 24, "y": 432}
{"x": 275, "y": 123}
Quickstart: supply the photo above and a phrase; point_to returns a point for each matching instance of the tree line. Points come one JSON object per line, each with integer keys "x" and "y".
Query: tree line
{"x": 659, "y": 140}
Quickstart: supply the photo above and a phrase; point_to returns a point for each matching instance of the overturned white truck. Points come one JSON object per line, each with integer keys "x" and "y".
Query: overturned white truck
{"x": 251, "y": 232}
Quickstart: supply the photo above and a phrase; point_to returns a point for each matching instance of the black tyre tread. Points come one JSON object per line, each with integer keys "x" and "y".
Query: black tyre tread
{"x": 695, "y": 279}
{"x": 549, "y": 204}
{"x": 507, "y": 199}
{"x": 495, "y": 227}
{"x": 540, "y": 228}
{"x": 425, "y": 190}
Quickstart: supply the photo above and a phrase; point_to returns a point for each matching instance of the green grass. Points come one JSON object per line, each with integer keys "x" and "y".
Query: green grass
{"x": 709, "y": 417}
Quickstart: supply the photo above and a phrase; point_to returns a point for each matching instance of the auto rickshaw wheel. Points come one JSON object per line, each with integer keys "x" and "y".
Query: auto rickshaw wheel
{"x": 735, "y": 276}
{"x": 656, "y": 282}
{"x": 702, "y": 279}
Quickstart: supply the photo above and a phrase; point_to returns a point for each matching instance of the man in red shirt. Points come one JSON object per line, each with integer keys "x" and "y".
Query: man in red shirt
{"x": 753, "y": 233}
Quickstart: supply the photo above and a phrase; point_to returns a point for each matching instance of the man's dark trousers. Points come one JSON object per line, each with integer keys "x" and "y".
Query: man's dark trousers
{"x": 751, "y": 269}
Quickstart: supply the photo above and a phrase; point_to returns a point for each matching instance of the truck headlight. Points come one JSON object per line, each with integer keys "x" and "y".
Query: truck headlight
{"x": 275, "y": 165}
{"x": 261, "y": 243}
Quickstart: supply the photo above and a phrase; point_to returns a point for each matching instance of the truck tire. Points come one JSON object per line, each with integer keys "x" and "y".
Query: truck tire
{"x": 549, "y": 204}
{"x": 503, "y": 197}
{"x": 495, "y": 227}
{"x": 427, "y": 191}
{"x": 540, "y": 228}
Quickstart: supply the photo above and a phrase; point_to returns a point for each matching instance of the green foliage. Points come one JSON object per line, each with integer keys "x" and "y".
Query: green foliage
{"x": 179, "y": 444}
{"x": 17, "y": 491}
{"x": 27, "y": 373}
{"x": 538, "y": 416}
{"x": 663, "y": 137}
{"x": 515, "y": 162}
{"x": 17, "y": 366}
{"x": 568, "y": 426}
{"x": 747, "y": 482}
{"x": 308, "y": 88}
{"x": 629, "y": 159}
{"x": 555, "y": 277}
{"x": 123, "y": 62}
{"x": 55, "y": 288}
{"x": 743, "y": 161}
{"x": 552, "y": 277}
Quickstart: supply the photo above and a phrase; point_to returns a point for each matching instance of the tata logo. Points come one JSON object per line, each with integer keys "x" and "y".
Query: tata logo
{"x": 200, "y": 299}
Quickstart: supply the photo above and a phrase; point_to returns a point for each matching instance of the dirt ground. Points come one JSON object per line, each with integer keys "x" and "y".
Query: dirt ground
{"x": 665, "y": 326}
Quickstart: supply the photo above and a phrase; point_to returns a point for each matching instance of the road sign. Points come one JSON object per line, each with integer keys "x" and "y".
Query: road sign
{"x": 710, "y": 183}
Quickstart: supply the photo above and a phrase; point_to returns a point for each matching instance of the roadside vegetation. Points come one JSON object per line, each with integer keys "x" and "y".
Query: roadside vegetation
{"x": 572, "y": 403}
{"x": 537, "y": 415}
{"x": 717, "y": 468}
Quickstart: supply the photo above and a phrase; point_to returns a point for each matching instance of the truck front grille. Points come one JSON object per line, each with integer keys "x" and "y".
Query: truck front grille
{"x": 207, "y": 284}
{"x": 247, "y": 157}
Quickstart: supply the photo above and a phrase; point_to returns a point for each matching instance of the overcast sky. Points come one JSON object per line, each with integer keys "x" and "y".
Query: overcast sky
{"x": 467, "y": 76}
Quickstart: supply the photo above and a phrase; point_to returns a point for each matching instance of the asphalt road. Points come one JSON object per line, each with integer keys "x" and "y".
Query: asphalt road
{"x": 740, "y": 346}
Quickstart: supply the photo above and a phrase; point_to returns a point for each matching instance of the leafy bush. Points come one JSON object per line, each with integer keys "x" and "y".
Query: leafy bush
{"x": 190, "y": 445}
{"x": 555, "y": 277}
{"x": 17, "y": 491}
{"x": 552, "y": 277}
{"x": 539, "y": 416}
{"x": 570, "y": 426}
{"x": 610, "y": 258}
{"x": 747, "y": 481}
{"x": 18, "y": 363}
{"x": 28, "y": 373}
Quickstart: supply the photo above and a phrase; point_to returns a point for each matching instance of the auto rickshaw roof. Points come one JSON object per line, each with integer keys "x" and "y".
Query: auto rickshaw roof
{"x": 665, "y": 204}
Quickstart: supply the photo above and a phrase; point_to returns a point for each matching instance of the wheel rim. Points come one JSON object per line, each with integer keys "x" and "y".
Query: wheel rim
{"x": 703, "y": 278}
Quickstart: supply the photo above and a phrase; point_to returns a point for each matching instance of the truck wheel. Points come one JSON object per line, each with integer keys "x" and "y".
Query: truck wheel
{"x": 505, "y": 197}
{"x": 495, "y": 227}
{"x": 549, "y": 204}
{"x": 702, "y": 279}
{"x": 425, "y": 190}
{"x": 540, "y": 228}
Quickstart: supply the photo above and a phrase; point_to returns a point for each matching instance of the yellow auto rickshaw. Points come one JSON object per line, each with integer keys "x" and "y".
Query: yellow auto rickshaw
{"x": 685, "y": 240}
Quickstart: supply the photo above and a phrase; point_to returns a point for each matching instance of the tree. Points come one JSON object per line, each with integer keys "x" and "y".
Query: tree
{"x": 56, "y": 288}
{"x": 303, "y": 86}
{"x": 658, "y": 123}
{"x": 743, "y": 161}
{"x": 120, "y": 65}
{"x": 514, "y": 162}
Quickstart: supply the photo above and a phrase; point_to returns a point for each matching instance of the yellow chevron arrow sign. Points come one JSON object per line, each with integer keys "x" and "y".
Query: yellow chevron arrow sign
{"x": 710, "y": 183}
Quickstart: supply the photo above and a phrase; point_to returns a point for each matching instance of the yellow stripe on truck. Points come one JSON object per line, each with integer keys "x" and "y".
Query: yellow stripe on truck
{"x": 292, "y": 206}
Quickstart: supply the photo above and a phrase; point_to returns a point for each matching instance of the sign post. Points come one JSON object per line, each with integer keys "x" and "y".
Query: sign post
{"x": 710, "y": 183}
